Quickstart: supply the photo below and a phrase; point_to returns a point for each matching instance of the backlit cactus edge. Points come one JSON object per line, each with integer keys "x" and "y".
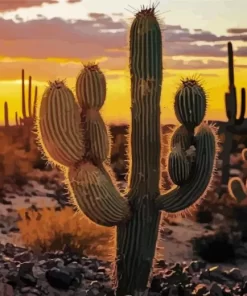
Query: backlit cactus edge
{"x": 72, "y": 135}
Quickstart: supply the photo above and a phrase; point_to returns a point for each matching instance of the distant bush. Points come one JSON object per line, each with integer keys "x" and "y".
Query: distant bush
{"x": 15, "y": 160}
{"x": 51, "y": 230}
{"x": 216, "y": 248}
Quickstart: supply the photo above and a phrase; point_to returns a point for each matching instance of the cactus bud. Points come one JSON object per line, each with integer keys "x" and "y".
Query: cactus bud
{"x": 190, "y": 103}
{"x": 91, "y": 87}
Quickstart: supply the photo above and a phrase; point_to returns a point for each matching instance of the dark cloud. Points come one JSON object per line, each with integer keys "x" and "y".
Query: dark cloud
{"x": 10, "y": 5}
{"x": 237, "y": 30}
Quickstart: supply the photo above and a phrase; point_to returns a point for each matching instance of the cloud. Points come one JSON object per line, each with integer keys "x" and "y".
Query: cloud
{"x": 102, "y": 39}
{"x": 10, "y": 5}
{"x": 237, "y": 30}
{"x": 193, "y": 65}
{"x": 43, "y": 38}
{"x": 100, "y": 36}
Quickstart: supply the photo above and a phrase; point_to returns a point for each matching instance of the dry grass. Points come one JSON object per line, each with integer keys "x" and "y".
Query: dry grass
{"x": 18, "y": 154}
{"x": 51, "y": 230}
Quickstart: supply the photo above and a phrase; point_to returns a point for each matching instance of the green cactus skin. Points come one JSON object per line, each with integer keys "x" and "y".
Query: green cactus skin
{"x": 236, "y": 187}
{"x": 6, "y": 115}
{"x": 99, "y": 201}
{"x": 137, "y": 215}
{"x": 94, "y": 125}
{"x": 190, "y": 103}
{"x": 59, "y": 127}
{"x": 178, "y": 166}
{"x": 91, "y": 87}
{"x": 182, "y": 136}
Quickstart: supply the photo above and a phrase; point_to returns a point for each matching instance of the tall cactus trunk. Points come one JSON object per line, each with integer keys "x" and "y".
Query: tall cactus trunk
{"x": 136, "y": 243}
{"x": 136, "y": 240}
{"x": 23, "y": 101}
{"x": 30, "y": 96}
{"x": 6, "y": 114}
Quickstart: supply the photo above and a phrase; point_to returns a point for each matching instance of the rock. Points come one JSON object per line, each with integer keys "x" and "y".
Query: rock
{"x": 216, "y": 290}
{"x": 235, "y": 274}
{"x": 58, "y": 279}
{"x": 6, "y": 290}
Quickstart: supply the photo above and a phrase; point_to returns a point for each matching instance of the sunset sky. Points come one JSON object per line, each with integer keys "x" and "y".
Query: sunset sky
{"x": 50, "y": 39}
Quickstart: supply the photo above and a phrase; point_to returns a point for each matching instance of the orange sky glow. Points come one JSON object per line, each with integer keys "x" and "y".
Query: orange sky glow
{"x": 49, "y": 46}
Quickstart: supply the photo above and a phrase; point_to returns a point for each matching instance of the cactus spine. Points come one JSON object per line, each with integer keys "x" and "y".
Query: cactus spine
{"x": 236, "y": 187}
{"x": 137, "y": 214}
{"x": 234, "y": 124}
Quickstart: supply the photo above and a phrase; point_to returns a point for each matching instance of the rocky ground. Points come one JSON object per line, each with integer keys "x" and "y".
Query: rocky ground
{"x": 66, "y": 274}
{"x": 179, "y": 270}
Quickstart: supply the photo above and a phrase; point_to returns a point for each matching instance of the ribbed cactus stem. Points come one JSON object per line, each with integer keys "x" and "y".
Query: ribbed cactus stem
{"x": 96, "y": 136}
{"x": 6, "y": 114}
{"x": 190, "y": 103}
{"x": 91, "y": 87}
{"x": 59, "y": 127}
{"x": 146, "y": 82}
{"x": 178, "y": 166}
{"x": 182, "y": 197}
{"x": 96, "y": 197}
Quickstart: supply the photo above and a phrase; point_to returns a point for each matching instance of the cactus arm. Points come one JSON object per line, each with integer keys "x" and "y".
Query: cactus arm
{"x": 237, "y": 189}
{"x": 231, "y": 108}
{"x": 35, "y": 102}
{"x": 16, "y": 119}
{"x": 6, "y": 114}
{"x": 236, "y": 186}
{"x": 30, "y": 96}
{"x": 96, "y": 196}
{"x": 240, "y": 120}
{"x": 184, "y": 196}
{"x": 23, "y": 101}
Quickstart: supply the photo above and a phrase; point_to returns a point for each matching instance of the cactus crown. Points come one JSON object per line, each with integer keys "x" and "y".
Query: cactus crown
{"x": 146, "y": 12}
{"x": 57, "y": 84}
{"x": 92, "y": 67}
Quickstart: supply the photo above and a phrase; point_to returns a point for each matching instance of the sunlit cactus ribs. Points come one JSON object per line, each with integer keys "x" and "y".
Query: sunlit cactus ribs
{"x": 73, "y": 135}
{"x": 236, "y": 186}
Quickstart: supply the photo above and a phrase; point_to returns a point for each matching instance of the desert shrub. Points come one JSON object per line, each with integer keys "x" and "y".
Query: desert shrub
{"x": 51, "y": 230}
{"x": 214, "y": 248}
{"x": 15, "y": 160}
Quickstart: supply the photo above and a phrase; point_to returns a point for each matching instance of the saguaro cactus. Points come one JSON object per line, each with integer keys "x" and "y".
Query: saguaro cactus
{"x": 236, "y": 187}
{"x": 28, "y": 118}
{"x": 6, "y": 114}
{"x": 234, "y": 124}
{"x": 75, "y": 138}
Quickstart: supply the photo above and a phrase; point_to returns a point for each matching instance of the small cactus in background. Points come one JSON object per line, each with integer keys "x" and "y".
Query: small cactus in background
{"x": 236, "y": 186}
{"x": 234, "y": 125}
{"x": 6, "y": 115}
{"x": 16, "y": 119}
{"x": 72, "y": 135}
{"x": 28, "y": 118}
